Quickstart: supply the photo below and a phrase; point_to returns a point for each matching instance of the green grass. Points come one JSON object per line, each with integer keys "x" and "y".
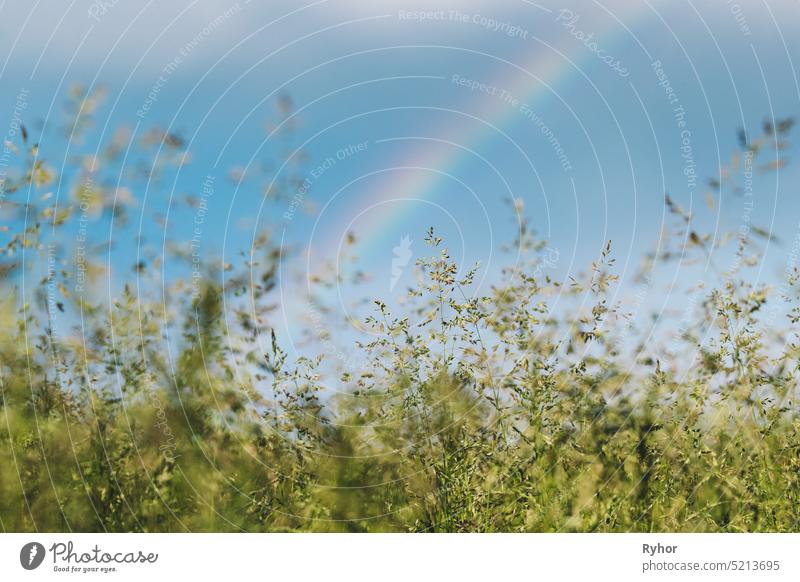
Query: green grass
{"x": 495, "y": 413}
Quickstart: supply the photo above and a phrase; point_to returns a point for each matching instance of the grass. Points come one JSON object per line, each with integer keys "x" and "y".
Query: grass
{"x": 492, "y": 412}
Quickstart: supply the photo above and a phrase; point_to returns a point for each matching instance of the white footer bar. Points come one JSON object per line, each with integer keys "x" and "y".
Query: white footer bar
{"x": 355, "y": 557}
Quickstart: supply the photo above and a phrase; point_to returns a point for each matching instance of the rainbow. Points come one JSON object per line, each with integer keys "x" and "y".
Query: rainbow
{"x": 530, "y": 83}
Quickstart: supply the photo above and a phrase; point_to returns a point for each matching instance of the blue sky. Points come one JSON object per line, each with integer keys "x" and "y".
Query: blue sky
{"x": 415, "y": 114}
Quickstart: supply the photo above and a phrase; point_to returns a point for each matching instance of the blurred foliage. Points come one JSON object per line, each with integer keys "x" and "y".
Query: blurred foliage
{"x": 471, "y": 412}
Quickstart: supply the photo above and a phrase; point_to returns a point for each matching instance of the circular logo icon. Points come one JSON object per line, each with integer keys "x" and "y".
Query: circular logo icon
{"x": 31, "y": 555}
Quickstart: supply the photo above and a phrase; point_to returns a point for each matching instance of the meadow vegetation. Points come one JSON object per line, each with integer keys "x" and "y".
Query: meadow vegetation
{"x": 491, "y": 411}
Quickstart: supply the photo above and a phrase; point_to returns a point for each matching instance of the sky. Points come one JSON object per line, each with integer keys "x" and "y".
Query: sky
{"x": 411, "y": 114}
